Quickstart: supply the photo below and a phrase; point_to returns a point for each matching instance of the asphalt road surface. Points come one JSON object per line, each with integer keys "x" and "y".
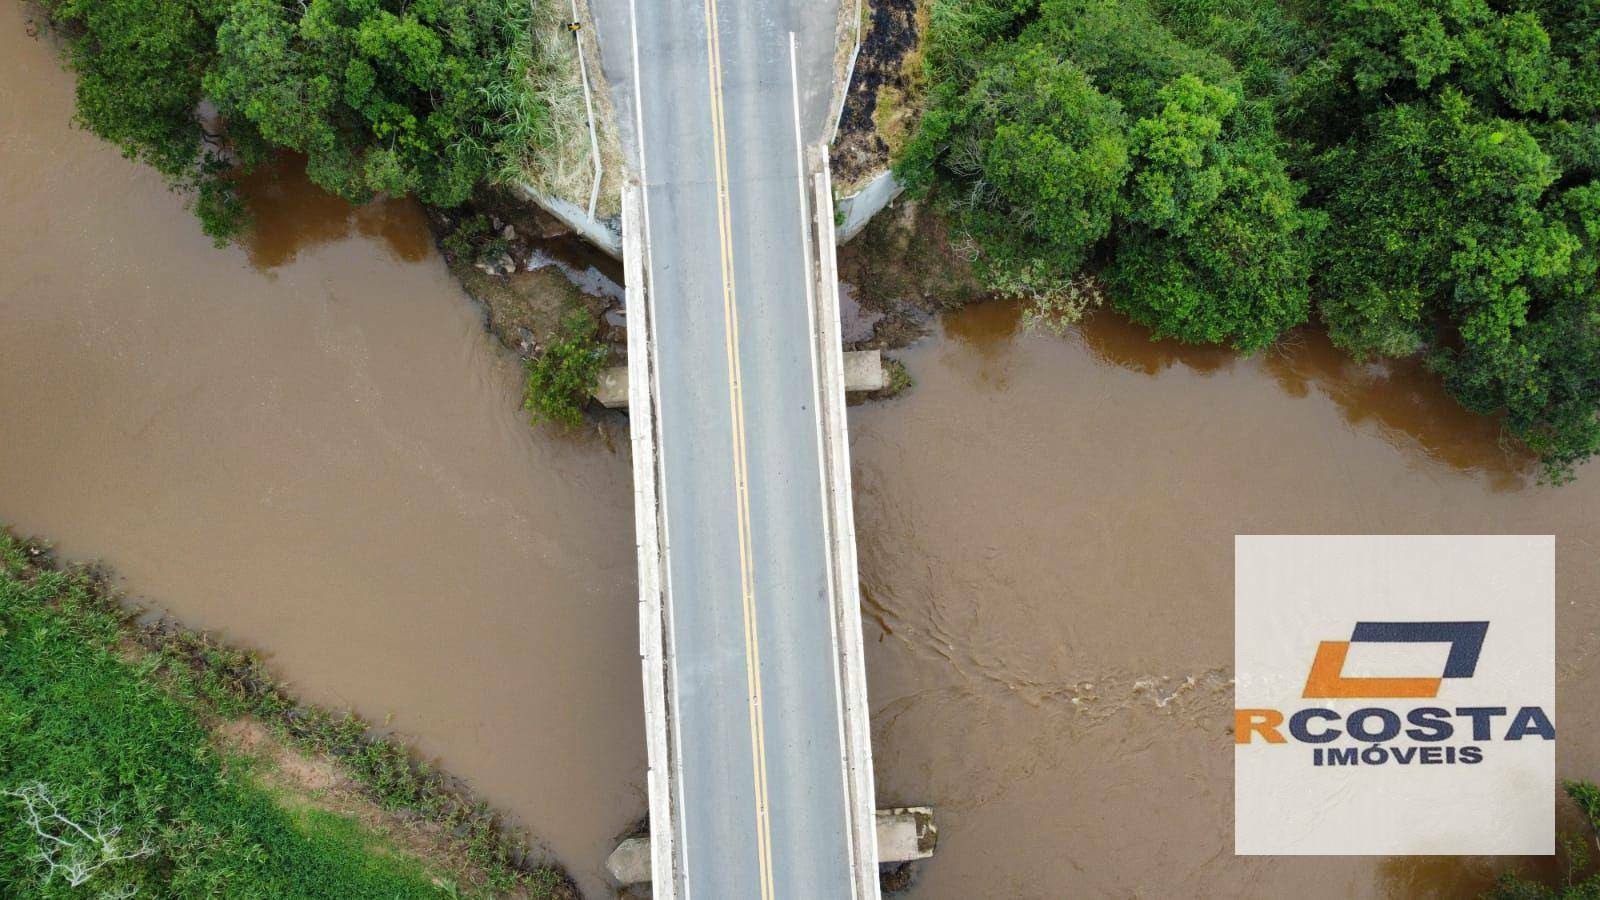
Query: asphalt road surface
{"x": 723, "y": 97}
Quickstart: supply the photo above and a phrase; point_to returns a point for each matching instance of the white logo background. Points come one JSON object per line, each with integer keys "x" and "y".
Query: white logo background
{"x": 1294, "y": 591}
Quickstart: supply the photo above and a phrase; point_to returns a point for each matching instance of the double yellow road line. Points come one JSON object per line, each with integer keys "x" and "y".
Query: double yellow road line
{"x": 741, "y": 470}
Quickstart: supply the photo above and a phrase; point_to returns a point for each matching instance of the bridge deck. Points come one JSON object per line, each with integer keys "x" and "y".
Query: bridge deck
{"x": 761, "y": 729}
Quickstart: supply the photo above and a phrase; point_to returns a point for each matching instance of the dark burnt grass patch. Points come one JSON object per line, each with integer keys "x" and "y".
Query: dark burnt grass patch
{"x": 878, "y": 110}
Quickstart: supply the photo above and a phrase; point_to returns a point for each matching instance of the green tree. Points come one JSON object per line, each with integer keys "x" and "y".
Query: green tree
{"x": 1213, "y": 247}
{"x": 382, "y": 97}
{"x": 1437, "y": 208}
{"x": 1539, "y": 360}
{"x": 1042, "y": 154}
{"x": 140, "y": 64}
{"x": 1083, "y": 134}
{"x": 1454, "y": 146}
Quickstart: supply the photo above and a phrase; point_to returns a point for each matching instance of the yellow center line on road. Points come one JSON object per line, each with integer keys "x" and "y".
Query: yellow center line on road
{"x": 741, "y": 474}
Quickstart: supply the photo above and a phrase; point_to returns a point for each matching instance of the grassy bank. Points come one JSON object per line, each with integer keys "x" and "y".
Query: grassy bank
{"x": 145, "y": 758}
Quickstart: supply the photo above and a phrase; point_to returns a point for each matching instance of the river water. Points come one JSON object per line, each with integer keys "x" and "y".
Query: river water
{"x": 1046, "y": 532}
{"x": 310, "y": 445}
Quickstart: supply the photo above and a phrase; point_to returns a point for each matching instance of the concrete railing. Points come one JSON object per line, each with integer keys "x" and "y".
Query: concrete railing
{"x": 846, "y": 593}
{"x": 863, "y": 371}
{"x": 588, "y": 108}
{"x": 905, "y": 834}
{"x": 572, "y": 215}
{"x": 655, "y": 602}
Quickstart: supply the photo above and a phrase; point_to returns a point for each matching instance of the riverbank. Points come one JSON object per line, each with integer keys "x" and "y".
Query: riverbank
{"x": 527, "y": 269}
{"x": 188, "y": 765}
{"x": 534, "y": 278}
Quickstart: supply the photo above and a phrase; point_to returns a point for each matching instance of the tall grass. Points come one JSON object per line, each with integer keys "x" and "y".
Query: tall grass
{"x": 544, "y": 134}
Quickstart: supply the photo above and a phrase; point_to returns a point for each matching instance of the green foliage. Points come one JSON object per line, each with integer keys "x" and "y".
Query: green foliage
{"x": 140, "y": 64}
{"x": 1437, "y": 208}
{"x": 1268, "y": 43}
{"x": 1587, "y": 796}
{"x": 1086, "y": 133}
{"x": 1214, "y": 248}
{"x": 383, "y": 96}
{"x": 1575, "y": 853}
{"x": 1509, "y": 58}
{"x": 85, "y": 730}
{"x": 561, "y": 379}
{"x": 222, "y": 212}
{"x": 1425, "y": 170}
{"x": 900, "y": 378}
{"x": 1044, "y": 152}
{"x": 473, "y": 238}
{"x": 1458, "y": 175}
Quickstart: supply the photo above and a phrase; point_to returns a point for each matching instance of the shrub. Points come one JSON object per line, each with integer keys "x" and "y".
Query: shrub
{"x": 561, "y": 379}
{"x": 1575, "y": 850}
{"x": 473, "y": 239}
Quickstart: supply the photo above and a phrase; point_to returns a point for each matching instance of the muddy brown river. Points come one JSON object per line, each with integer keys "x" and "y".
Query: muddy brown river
{"x": 310, "y": 445}
{"x": 1046, "y": 533}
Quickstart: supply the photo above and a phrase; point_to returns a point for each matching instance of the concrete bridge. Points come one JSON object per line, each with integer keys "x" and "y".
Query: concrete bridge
{"x": 760, "y": 780}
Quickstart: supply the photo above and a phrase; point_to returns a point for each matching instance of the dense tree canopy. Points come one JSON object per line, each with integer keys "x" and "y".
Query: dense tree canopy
{"x": 1426, "y": 173}
{"x": 1094, "y": 136}
{"x": 139, "y": 65}
{"x": 383, "y": 96}
{"x": 1459, "y": 185}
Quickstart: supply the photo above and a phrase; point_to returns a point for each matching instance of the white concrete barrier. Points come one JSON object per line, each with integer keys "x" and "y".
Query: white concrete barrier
{"x": 863, "y": 371}
{"x": 845, "y": 591}
{"x": 856, "y": 210}
{"x": 655, "y": 651}
{"x": 595, "y": 231}
{"x": 905, "y": 833}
